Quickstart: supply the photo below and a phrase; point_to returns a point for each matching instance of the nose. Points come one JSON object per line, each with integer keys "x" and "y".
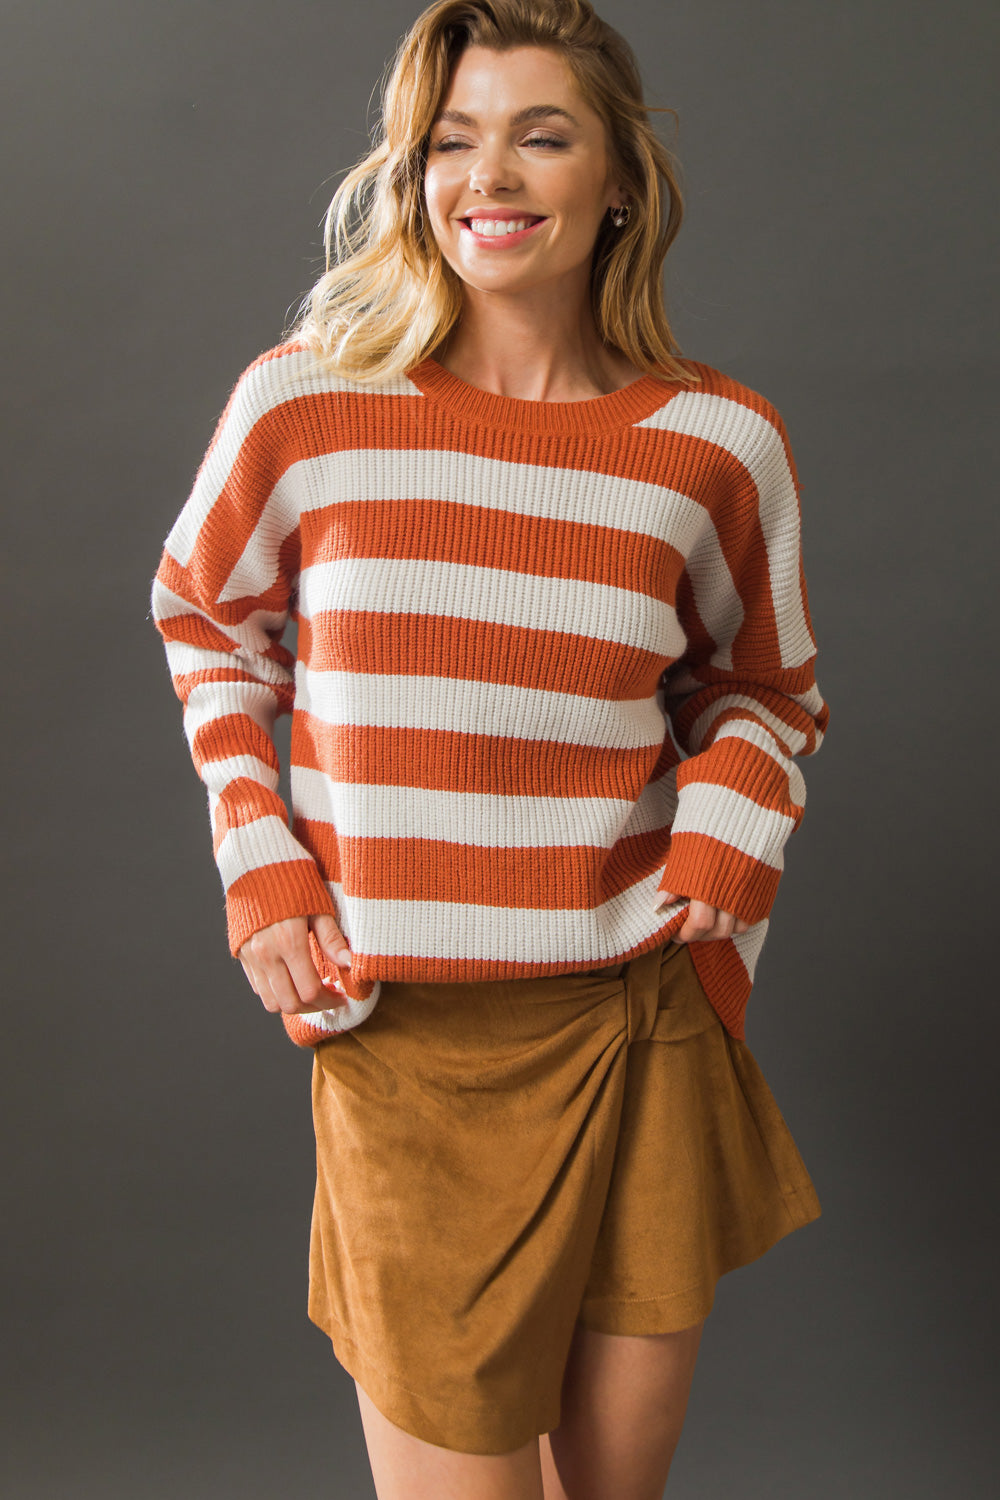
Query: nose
{"x": 493, "y": 168}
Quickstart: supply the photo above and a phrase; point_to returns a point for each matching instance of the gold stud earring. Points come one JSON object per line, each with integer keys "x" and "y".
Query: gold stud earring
{"x": 621, "y": 216}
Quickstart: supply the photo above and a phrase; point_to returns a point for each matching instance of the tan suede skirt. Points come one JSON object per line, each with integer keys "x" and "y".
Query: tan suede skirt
{"x": 497, "y": 1160}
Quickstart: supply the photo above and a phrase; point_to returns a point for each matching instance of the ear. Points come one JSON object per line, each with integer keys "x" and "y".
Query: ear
{"x": 617, "y": 195}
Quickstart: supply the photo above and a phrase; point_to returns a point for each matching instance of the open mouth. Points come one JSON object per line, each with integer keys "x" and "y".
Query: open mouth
{"x": 501, "y": 229}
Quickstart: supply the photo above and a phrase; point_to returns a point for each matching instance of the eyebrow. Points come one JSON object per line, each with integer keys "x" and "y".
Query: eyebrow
{"x": 530, "y": 112}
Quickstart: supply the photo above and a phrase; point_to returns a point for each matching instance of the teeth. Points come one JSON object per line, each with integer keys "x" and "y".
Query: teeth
{"x": 494, "y": 227}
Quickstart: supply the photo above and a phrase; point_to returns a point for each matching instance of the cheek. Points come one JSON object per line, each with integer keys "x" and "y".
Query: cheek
{"x": 439, "y": 190}
{"x": 442, "y": 230}
{"x": 437, "y": 209}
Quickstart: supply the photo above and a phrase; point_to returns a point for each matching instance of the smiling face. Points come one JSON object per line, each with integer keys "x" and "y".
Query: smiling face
{"x": 518, "y": 175}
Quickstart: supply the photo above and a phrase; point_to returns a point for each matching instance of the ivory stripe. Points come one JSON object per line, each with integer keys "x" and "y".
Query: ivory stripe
{"x": 387, "y": 586}
{"x": 486, "y": 589}
{"x": 455, "y": 704}
{"x": 520, "y": 935}
{"x": 718, "y": 813}
{"x": 364, "y": 810}
{"x": 254, "y": 846}
{"x": 758, "y": 446}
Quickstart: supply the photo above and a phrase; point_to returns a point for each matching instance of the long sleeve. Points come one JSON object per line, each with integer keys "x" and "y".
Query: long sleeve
{"x": 505, "y": 611}
{"x": 220, "y": 600}
{"x": 742, "y": 699}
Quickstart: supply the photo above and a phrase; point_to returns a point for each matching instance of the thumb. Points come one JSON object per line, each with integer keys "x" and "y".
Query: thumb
{"x": 331, "y": 939}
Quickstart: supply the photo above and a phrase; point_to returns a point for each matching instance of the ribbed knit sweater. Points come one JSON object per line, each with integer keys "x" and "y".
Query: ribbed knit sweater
{"x": 553, "y": 660}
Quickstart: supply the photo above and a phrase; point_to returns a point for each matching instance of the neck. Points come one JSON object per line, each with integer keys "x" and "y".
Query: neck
{"x": 532, "y": 347}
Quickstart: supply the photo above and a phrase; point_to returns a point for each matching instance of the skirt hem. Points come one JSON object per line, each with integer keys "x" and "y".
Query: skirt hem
{"x": 673, "y": 1311}
{"x": 445, "y": 1424}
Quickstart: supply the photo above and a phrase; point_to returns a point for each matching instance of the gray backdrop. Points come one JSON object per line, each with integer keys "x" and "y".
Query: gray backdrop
{"x": 165, "y": 171}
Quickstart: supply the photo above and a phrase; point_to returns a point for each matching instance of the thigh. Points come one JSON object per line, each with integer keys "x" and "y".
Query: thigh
{"x": 623, "y": 1408}
{"x": 405, "y": 1467}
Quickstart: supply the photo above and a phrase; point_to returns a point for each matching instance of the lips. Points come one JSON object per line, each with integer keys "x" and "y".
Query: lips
{"x": 494, "y": 233}
{"x": 529, "y": 219}
{"x": 497, "y": 225}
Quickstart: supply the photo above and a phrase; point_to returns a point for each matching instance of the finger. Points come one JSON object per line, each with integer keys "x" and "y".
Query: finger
{"x": 724, "y": 924}
{"x": 256, "y": 957}
{"x": 288, "y": 965}
{"x": 286, "y": 992}
{"x": 310, "y": 991}
{"x": 280, "y": 960}
{"x": 331, "y": 939}
{"x": 742, "y": 926}
{"x": 700, "y": 922}
{"x": 272, "y": 983}
{"x": 259, "y": 983}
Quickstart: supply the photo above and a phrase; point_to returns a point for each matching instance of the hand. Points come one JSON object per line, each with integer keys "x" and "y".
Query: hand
{"x": 278, "y": 964}
{"x": 705, "y": 923}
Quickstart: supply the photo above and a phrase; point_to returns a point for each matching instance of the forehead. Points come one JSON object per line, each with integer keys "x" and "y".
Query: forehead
{"x": 518, "y": 82}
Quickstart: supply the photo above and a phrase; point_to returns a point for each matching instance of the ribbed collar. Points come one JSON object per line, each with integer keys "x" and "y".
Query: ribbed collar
{"x": 513, "y": 414}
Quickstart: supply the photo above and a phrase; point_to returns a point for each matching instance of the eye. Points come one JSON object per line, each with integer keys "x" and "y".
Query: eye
{"x": 534, "y": 140}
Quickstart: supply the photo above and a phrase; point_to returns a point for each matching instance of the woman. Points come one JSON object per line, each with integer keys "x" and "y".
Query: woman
{"x": 553, "y": 661}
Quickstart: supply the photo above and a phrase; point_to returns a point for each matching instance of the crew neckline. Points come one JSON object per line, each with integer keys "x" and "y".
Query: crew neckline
{"x": 621, "y": 408}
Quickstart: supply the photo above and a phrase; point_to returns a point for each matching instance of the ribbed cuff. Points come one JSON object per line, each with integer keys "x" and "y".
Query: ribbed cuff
{"x": 704, "y": 869}
{"x": 273, "y": 893}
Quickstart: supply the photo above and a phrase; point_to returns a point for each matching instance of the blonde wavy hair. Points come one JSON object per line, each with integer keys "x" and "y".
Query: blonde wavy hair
{"x": 388, "y": 297}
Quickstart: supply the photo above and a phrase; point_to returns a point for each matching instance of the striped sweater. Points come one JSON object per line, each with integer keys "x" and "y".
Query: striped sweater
{"x": 553, "y": 663}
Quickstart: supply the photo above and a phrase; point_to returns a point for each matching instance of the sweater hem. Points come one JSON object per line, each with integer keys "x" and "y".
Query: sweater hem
{"x": 421, "y": 969}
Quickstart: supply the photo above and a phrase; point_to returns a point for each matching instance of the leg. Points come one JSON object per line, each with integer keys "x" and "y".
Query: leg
{"x": 404, "y": 1467}
{"x": 623, "y": 1406}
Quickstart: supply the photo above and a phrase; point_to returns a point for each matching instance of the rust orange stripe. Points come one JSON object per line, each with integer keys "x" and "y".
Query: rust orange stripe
{"x": 409, "y": 869}
{"x": 450, "y": 761}
{"x": 232, "y": 734}
{"x": 742, "y": 767}
{"x": 478, "y": 651}
{"x": 488, "y": 537}
{"x": 243, "y": 802}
